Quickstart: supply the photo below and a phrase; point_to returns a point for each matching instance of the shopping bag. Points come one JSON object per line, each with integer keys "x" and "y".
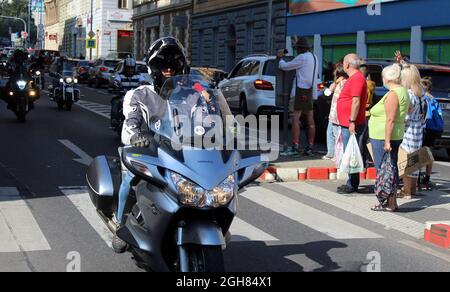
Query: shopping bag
{"x": 352, "y": 161}
{"x": 339, "y": 149}
{"x": 387, "y": 179}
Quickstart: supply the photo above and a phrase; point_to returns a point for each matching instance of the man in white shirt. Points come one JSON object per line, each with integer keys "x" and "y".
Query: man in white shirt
{"x": 304, "y": 92}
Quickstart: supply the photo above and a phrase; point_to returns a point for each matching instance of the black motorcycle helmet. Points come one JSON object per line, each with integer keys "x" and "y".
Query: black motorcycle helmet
{"x": 166, "y": 53}
{"x": 129, "y": 67}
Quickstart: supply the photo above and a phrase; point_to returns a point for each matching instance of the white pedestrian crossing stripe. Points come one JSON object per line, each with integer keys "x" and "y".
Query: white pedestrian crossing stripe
{"x": 19, "y": 231}
{"x": 81, "y": 200}
{"x": 360, "y": 206}
{"x": 240, "y": 230}
{"x": 306, "y": 215}
{"x": 99, "y": 109}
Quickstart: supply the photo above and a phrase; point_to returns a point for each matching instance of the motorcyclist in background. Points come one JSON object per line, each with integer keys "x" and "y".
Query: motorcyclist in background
{"x": 166, "y": 58}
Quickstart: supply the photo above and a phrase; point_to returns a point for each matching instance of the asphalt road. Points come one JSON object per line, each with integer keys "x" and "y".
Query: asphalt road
{"x": 46, "y": 217}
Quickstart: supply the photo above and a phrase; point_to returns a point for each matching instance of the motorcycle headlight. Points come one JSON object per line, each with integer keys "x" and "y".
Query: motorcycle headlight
{"x": 21, "y": 84}
{"x": 191, "y": 194}
{"x": 75, "y": 80}
{"x": 69, "y": 80}
{"x": 61, "y": 80}
{"x": 38, "y": 73}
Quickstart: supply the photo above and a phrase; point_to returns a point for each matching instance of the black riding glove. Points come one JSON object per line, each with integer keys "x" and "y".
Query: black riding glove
{"x": 141, "y": 140}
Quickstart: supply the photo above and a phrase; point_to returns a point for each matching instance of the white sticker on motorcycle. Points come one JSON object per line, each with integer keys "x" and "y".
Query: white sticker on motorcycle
{"x": 199, "y": 131}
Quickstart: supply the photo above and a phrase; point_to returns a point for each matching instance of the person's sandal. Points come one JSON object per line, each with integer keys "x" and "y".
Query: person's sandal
{"x": 378, "y": 208}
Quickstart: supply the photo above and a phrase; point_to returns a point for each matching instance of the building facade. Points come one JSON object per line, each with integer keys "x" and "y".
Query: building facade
{"x": 68, "y": 23}
{"x": 418, "y": 28}
{"x": 223, "y": 32}
{"x": 154, "y": 19}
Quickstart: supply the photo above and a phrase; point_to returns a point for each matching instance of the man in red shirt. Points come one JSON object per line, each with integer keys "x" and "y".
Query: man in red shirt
{"x": 351, "y": 109}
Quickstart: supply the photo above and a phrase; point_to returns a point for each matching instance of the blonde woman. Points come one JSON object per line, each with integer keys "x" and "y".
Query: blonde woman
{"x": 387, "y": 127}
{"x": 413, "y": 138}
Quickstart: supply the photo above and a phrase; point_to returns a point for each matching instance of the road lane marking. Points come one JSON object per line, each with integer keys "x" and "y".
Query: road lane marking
{"x": 81, "y": 200}
{"x": 306, "y": 215}
{"x": 360, "y": 206}
{"x": 95, "y": 108}
{"x": 243, "y": 231}
{"x": 19, "y": 231}
{"x": 84, "y": 159}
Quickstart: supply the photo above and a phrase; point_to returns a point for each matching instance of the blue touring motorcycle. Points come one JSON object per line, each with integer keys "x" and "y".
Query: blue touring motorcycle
{"x": 184, "y": 195}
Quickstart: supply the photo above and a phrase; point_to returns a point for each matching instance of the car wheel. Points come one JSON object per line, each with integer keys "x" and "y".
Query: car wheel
{"x": 243, "y": 108}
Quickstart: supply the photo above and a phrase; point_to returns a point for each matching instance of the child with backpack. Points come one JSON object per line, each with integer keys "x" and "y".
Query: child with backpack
{"x": 433, "y": 129}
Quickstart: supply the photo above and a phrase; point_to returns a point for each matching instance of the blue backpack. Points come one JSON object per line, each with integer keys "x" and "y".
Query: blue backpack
{"x": 435, "y": 121}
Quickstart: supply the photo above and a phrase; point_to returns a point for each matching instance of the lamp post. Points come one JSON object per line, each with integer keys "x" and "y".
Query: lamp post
{"x": 269, "y": 27}
{"x": 91, "y": 33}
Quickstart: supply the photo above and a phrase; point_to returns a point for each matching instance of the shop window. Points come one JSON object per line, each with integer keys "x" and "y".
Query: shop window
{"x": 387, "y": 50}
{"x": 438, "y": 52}
{"x": 336, "y": 54}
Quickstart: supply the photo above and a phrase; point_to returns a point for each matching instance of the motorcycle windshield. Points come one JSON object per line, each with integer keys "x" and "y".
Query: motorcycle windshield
{"x": 194, "y": 114}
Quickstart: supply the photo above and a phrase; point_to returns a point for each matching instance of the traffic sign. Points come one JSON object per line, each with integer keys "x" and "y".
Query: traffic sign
{"x": 91, "y": 34}
{"x": 91, "y": 43}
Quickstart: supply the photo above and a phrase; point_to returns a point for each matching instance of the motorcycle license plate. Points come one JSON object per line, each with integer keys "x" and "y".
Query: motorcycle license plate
{"x": 69, "y": 90}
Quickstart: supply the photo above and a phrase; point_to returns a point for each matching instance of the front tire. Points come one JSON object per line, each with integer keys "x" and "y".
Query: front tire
{"x": 22, "y": 113}
{"x": 69, "y": 105}
{"x": 205, "y": 259}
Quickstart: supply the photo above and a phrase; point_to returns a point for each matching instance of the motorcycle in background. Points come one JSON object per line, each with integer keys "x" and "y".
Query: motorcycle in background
{"x": 66, "y": 93}
{"x": 21, "y": 93}
{"x": 184, "y": 197}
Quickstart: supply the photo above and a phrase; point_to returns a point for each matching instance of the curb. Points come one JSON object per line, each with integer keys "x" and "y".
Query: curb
{"x": 310, "y": 174}
{"x": 438, "y": 233}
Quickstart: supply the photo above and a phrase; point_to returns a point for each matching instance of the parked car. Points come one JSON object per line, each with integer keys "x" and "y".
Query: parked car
{"x": 141, "y": 68}
{"x": 101, "y": 72}
{"x": 250, "y": 87}
{"x": 82, "y": 70}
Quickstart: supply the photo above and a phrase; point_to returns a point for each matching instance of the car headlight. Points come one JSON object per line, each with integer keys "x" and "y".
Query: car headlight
{"x": 191, "y": 194}
{"x": 21, "y": 84}
{"x": 69, "y": 80}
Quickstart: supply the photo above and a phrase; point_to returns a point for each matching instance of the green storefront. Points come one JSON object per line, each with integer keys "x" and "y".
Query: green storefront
{"x": 437, "y": 45}
{"x": 336, "y": 47}
{"x": 383, "y": 45}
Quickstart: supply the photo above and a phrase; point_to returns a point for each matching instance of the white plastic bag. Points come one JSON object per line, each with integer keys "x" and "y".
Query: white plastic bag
{"x": 352, "y": 161}
{"x": 339, "y": 149}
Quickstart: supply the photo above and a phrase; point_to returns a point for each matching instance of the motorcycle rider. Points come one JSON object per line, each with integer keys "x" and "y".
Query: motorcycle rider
{"x": 126, "y": 80}
{"x": 166, "y": 59}
{"x": 17, "y": 68}
{"x": 56, "y": 71}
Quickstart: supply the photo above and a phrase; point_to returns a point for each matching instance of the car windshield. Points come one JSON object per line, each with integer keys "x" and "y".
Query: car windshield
{"x": 190, "y": 111}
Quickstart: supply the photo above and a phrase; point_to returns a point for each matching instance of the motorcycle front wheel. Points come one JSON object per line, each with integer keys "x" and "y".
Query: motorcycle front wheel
{"x": 204, "y": 259}
{"x": 22, "y": 113}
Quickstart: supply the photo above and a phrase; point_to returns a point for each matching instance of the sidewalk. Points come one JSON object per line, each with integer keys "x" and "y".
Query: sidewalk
{"x": 307, "y": 168}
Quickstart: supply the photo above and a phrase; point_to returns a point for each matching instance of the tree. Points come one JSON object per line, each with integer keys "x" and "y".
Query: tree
{"x": 15, "y": 8}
